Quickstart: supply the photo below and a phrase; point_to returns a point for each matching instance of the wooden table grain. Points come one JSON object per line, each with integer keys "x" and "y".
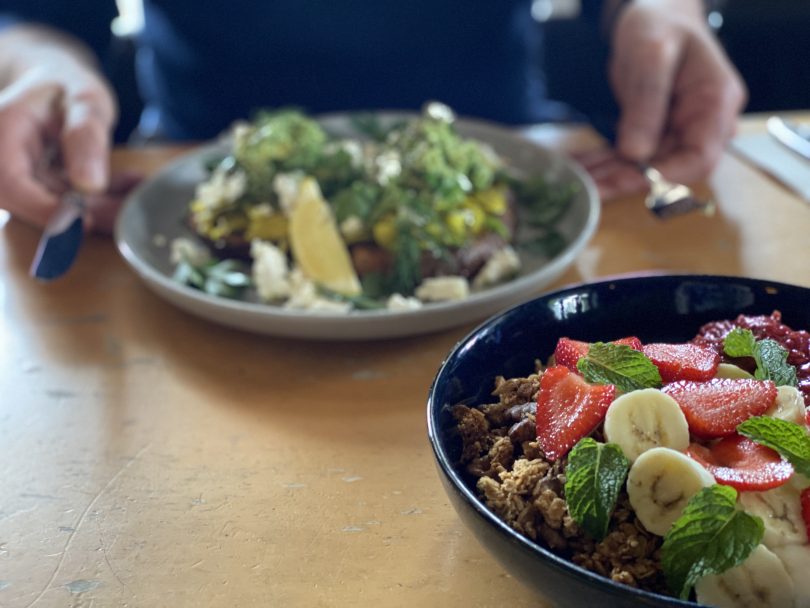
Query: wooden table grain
{"x": 149, "y": 458}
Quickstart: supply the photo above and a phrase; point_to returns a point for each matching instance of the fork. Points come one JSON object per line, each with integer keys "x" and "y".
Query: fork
{"x": 667, "y": 199}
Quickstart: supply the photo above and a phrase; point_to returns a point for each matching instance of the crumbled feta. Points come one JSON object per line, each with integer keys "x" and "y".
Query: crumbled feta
{"x": 399, "y": 302}
{"x": 240, "y": 131}
{"x": 270, "y": 271}
{"x": 388, "y": 166}
{"x": 502, "y": 265}
{"x": 287, "y": 186}
{"x": 304, "y": 296}
{"x": 352, "y": 228}
{"x": 221, "y": 190}
{"x": 185, "y": 250}
{"x": 441, "y": 289}
{"x": 439, "y": 111}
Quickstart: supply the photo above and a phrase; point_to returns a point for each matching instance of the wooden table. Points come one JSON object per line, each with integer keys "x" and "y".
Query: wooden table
{"x": 153, "y": 459}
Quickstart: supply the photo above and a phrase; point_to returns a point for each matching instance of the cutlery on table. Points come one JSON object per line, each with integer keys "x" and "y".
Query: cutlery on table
{"x": 60, "y": 240}
{"x": 793, "y": 136}
{"x": 667, "y": 199}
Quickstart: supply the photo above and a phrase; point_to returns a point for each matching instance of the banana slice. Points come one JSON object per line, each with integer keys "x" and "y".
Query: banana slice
{"x": 799, "y": 481}
{"x": 761, "y": 581}
{"x": 660, "y": 483}
{"x": 645, "y": 419}
{"x": 728, "y": 370}
{"x": 781, "y": 512}
{"x": 789, "y": 405}
{"x": 796, "y": 559}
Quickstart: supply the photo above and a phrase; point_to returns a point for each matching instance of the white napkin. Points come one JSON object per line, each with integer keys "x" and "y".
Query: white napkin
{"x": 765, "y": 152}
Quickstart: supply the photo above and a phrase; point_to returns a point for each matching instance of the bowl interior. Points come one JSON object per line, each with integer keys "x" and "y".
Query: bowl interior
{"x": 654, "y": 308}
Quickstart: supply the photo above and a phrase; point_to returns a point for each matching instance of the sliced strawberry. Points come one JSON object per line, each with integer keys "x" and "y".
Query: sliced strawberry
{"x": 569, "y": 351}
{"x": 743, "y": 464}
{"x": 568, "y": 409}
{"x": 715, "y": 408}
{"x": 683, "y": 361}
{"x": 805, "y": 500}
{"x": 630, "y": 341}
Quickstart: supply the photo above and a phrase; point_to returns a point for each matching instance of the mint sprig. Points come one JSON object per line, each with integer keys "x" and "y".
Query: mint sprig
{"x": 710, "y": 537}
{"x": 769, "y": 356}
{"x": 788, "y": 438}
{"x": 619, "y": 364}
{"x": 594, "y": 476}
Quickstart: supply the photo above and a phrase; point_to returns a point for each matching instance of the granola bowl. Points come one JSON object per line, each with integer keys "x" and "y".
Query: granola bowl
{"x": 662, "y": 308}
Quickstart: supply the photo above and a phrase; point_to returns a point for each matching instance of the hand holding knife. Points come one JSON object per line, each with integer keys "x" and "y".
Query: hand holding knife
{"x": 63, "y": 234}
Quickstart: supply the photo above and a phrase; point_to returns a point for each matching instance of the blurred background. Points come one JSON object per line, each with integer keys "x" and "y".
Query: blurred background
{"x": 768, "y": 40}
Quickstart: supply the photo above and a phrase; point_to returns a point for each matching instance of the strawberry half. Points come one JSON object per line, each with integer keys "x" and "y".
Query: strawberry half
{"x": 743, "y": 464}
{"x": 715, "y": 408}
{"x": 805, "y": 501}
{"x": 568, "y": 409}
{"x": 569, "y": 351}
{"x": 683, "y": 361}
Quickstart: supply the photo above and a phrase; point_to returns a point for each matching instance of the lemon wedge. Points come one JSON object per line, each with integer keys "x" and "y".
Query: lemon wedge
{"x": 316, "y": 244}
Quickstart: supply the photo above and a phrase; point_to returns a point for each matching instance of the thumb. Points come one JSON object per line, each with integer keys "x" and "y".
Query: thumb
{"x": 86, "y": 133}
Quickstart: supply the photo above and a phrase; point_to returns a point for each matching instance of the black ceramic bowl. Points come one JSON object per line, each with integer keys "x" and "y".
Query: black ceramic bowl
{"x": 654, "y": 308}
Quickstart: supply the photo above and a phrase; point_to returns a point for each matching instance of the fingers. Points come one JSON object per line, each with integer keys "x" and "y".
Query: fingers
{"x": 643, "y": 69}
{"x": 679, "y": 95}
{"x": 703, "y": 121}
{"x": 614, "y": 176}
{"x": 103, "y": 209}
{"x": 22, "y": 192}
{"x": 88, "y": 122}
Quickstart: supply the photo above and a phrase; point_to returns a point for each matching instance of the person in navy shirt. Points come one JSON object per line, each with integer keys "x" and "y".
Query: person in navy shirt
{"x": 202, "y": 65}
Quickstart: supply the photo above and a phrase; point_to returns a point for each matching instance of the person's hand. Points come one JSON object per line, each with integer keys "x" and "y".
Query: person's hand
{"x": 56, "y": 117}
{"x": 678, "y": 94}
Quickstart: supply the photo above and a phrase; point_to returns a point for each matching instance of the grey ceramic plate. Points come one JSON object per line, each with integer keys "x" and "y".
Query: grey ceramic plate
{"x": 158, "y": 206}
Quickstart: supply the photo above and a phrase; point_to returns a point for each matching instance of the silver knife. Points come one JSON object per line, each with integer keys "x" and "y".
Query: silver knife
{"x": 61, "y": 239}
{"x": 794, "y": 137}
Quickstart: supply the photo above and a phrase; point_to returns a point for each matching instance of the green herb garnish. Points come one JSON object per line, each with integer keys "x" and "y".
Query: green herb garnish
{"x": 361, "y": 302}
{"x": 769, "y": 356}
{"x": 593, "y": 477}
{"x": 227, "y": 278}
{"x": 787, "y": 438}
{"x": 710, "y": 537}
{"x": 618, "y": 364}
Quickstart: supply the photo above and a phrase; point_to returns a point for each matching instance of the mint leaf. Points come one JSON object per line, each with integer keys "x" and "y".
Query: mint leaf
{"x": 787, "y": 438}
{"x": 771, "y": 358}
{"x": 769, "y": 355}
{"x": 710, "y": 537}
{"x": 618, "y": 364}
{"x": 593, "y": 477}
{"x": 740, "y": 343}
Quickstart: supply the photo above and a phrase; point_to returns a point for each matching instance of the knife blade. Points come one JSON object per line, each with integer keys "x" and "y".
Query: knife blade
{"x": 794, "y": 137}
{"x": 60, "y": 240}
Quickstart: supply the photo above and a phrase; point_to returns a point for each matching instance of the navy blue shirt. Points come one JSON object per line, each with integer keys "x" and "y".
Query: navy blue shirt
{"x": 202, "y": 64}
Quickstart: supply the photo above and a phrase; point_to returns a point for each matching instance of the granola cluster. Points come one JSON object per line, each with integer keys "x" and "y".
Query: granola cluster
{"x": 527, "y": 491}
